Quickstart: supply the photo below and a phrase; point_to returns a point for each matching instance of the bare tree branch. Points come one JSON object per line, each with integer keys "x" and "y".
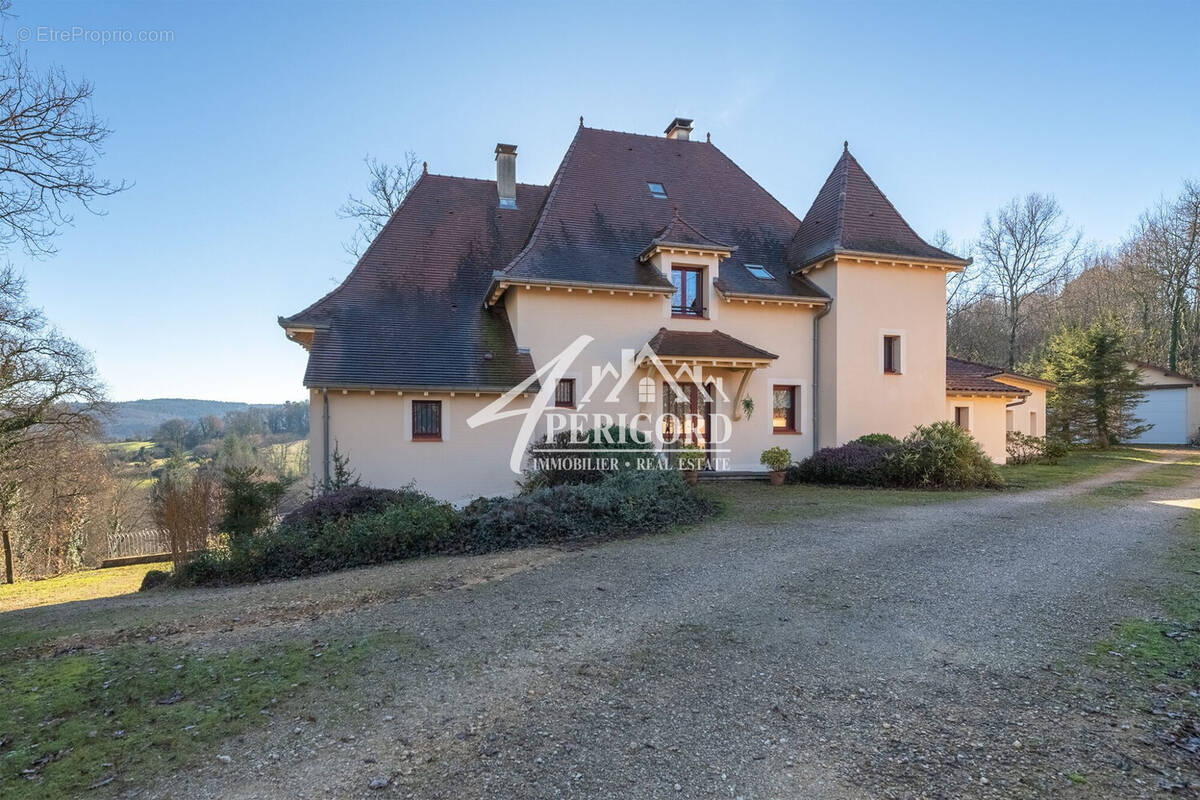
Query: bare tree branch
{"x": 387, "y": 186}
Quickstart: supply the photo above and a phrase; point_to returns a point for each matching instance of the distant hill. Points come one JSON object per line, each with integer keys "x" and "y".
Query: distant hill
{"x": 137, "y": 419}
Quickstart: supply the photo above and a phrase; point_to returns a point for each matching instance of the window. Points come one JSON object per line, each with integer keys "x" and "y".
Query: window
{"x": 891, "y": 355}
{"x": 962, "y": 417}
{"x": 646, "y": 390}
{"x": 784, "y": 418}
{"x": 688, "y": 300}
{"x": 427, "y": 420}
{"x": 1033, "y": 429}
{"x": 1008, "y": 420}
{"x": 759, "y": 271}
{"x": 657, "y": 190}
{"x": 564, "y": 393}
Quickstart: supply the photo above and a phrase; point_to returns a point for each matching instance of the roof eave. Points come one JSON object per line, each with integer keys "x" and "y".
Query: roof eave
{"x": 719, "y": 250}
{"x": 774, "y": 298}
{"x": 942, "y": 263}
{"x": 502, "y": 281}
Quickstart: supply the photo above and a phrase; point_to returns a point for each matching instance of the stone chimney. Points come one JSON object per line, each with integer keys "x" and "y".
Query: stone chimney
{"x": 506, "y": 174}
{"x": 680, "y": 128}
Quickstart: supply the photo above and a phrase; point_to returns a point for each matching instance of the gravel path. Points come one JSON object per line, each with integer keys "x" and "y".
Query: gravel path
{"x": 884, "y": 653}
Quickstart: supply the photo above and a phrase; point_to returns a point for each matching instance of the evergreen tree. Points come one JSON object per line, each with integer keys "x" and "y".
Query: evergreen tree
{"x": 1096, "y": 389}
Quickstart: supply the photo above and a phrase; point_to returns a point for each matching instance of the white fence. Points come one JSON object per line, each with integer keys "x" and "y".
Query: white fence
{"x": 138, "y": 543}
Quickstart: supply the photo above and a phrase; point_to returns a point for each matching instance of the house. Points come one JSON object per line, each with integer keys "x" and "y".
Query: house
{"x": 652, "y": 285}
{"x": 1171, "y": 406}
{"x": 991, "y": 402}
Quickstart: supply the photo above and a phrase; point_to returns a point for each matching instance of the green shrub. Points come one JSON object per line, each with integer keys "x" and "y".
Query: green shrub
{"x": 941, "y": 456}
{"x": 620, "y": 504}
{"x": 1024, "y": 449}
{"x": 415, "y": 525}
{"x": 852, "y": 464}
{"x": 877, "y": 440}
{"x": 248, "y": 502}
{"x": 1056, "y": 449}
{"x": 552, "y": 462}
{"x": 938, "y": 456}
{"x": 775, "y": 459}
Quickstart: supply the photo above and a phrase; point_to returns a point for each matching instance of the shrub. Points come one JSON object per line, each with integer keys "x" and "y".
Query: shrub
{"x": 553, "y": 462}
{"x": 154, "y": 578}
{"x": 185, "y": 506}
{"x": 938, "y": 456}
{"x": 620, "y": 504}
{"x": 851, "y": 464}
{"x": 878, "y": 440}
{"x": 1056, "y": 449}
{"x": 775, "y": 459}
{"x": 413, "y": 524}
{"x": 248, "y": 501}
{"x": 1024, "y": 449}
{"x": 941, "y": 456}
{"x": 347, "y": 502}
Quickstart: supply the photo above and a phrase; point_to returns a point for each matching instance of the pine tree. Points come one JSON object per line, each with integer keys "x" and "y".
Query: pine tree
{"x": 1096, "y": 389}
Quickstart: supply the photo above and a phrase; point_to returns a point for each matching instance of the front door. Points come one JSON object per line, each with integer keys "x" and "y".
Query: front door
{"x": 693, "y": 412}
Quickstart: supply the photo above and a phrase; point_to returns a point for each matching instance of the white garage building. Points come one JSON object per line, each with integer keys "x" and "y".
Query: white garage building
{"x": 1171, "y": 406}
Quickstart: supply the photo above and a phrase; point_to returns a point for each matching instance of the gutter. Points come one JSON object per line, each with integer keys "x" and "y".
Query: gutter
{"x": 816, "y": 360}
{"x": 501, "y": 281}
{"x": 325, "y": 435}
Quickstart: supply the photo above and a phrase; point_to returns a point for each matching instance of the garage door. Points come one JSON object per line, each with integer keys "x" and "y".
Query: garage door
{"x": 1166, "y": 410}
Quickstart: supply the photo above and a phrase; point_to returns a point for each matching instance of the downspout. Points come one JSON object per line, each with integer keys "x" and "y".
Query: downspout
{"x": 325, "y": 435}
{"x": 816, "y": 360}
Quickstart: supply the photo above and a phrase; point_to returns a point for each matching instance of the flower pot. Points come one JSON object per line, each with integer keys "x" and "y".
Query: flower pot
{"x": 776, "y": 476}
{"x": 692, "y": 476}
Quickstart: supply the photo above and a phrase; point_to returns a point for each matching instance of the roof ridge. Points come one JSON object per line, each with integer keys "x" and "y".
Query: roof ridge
{"x": 362, "y": 257}
{"x": 479, "y": 180}
{"x": 550, "y": 195}
{"x": 658, "y": 137}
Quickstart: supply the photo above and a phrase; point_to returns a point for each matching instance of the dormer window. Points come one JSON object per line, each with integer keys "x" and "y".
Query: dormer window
{"x": 688, "y": 299}
{"x": 657, "y": 190}
{"x": 759, "y": 271}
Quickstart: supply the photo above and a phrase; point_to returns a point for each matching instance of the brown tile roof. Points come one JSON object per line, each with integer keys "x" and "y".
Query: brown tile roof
{"x": 851, "y": 214}
{"x": 704, "y": 344}
{"x": 600, "y": 215}
{"x": 679, "y": 232}
{"x": 973, "y": 378}
{"x": 410, "y": 313}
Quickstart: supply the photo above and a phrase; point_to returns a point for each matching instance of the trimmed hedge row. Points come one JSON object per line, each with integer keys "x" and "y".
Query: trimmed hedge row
{"x": 358, "y": 526}
{"x": 938, "y": 456}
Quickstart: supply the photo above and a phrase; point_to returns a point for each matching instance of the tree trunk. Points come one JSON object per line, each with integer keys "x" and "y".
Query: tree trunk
{"x": 9, "y": 573}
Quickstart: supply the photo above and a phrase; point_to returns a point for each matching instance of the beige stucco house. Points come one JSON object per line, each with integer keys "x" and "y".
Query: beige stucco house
{"x": 653, "y": 285}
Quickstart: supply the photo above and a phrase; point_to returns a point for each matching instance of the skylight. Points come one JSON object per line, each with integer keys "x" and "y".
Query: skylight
{"x": 657, "y": 190}
{"x": 759, "y": 271}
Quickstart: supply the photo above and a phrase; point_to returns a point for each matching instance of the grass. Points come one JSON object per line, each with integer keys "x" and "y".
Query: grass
{"x": 85, "y": 585}
{"x": 763, "y": 504}
{"x": 121, "y": 715}
{"x": 1075, "y": 466}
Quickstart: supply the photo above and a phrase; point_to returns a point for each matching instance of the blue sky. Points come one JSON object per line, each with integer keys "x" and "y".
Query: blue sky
{"x": 244, "y": 134}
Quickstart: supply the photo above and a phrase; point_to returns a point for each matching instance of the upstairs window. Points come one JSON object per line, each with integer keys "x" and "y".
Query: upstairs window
{"x": 759, "y": 271}
{"x": 688, "y": 299}
{"x": 657, "y": 190}
{"x": 962, "y": 417}
{"x": 564, "y": 393}
{"x": 427, "y": 420}
{"x": 783, "y": 418}
{"x": 891, "y": 355}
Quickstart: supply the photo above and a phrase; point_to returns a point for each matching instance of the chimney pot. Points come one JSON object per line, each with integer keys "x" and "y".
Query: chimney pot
{"x": 680, "y": 128}
{"x": 506, "y": 174}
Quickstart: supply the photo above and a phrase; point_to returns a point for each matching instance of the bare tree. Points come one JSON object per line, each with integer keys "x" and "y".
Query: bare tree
{"x": 962, "y": 287}
{"x": 47, "y": 383}
{"x": 1164, "y": 250}
{"x": 387, "y": 186}
{"x": 1027, "y": 249}
{"x": 49, "y": 141}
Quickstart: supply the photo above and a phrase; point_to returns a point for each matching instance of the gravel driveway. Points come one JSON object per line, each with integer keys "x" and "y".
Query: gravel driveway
{"x": 884, "y": 652}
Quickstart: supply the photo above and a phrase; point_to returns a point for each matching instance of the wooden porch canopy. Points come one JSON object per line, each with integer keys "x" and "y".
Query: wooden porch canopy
{"x": 709, "y": 349}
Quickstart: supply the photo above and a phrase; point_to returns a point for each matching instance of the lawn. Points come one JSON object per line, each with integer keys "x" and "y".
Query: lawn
{"x": 85, "y": 585}
{"x": 1076, "y": 466}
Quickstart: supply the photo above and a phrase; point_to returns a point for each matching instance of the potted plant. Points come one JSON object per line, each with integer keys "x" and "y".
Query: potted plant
{"x": 690, "y": 459}
{"x": 776, "y": 459}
